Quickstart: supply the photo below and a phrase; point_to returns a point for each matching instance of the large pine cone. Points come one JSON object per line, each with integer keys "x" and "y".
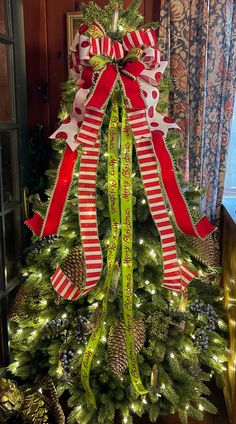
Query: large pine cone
{"x": 33, "y": 409}
{"x": 73, "y": 267}
{"x": 205, "y": 251}
{"x": 10, "y": 399}
{"x": 21, "y": 295}
{"x": 117, "y": 358}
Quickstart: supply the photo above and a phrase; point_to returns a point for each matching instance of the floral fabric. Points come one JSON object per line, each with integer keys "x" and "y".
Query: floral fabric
{"x": 200, "y": 37}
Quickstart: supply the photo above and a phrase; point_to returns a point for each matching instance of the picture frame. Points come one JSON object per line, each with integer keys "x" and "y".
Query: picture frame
{"x": 73, "y": 22}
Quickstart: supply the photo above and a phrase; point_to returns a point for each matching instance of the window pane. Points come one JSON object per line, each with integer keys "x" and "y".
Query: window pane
{"x": 12, "y": 244}
{"x": 6, "y": 98}
{"x": 9, "y": 166}
{"x": 3, "y": 17}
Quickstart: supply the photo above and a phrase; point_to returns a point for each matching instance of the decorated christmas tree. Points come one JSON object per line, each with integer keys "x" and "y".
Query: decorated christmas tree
{"x": 121, "y": 311}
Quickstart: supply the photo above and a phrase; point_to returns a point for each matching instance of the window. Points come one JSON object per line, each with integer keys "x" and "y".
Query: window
{"x": 229, "y": 198}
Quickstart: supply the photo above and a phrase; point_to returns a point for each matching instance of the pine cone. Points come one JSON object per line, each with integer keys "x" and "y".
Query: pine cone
{"x": 52, "y": 401}
{"x": 21, "y": 295}
{"x": 205, "y": 251}
{"x": 117, "y": 358}
{"x": 10, "y": 399}
{"x": 33, "y": 409}
{"x": 74, "y": 267}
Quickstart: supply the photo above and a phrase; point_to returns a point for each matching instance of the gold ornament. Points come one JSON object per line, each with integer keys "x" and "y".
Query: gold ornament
{"x": 33, "y": 408}
{"x": 73, "y": 267}
{"x": 117, "y": 357}
{"x": 10, "y": 399}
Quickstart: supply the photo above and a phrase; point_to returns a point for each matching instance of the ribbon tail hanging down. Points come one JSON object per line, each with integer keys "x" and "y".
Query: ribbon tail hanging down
{"x": 178, "y": 204}
{"x": 114, "y": 209}
{"x": 127, "y": 250}
{"x": 88, "y": 229}
{"x": 50, "y": 224}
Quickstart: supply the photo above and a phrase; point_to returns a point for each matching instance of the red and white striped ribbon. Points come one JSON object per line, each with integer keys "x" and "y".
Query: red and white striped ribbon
{"x": 138, "y": 123}
{"x": 139, "y": 38}
{"x": 175, "y": 276}
{"x": 88, "y": 229}
{"x": 148, "y": 169}
{"x": 91, "y": 125}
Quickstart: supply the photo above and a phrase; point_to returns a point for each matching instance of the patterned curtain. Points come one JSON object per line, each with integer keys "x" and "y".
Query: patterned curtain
{"x": 200, "y": 37}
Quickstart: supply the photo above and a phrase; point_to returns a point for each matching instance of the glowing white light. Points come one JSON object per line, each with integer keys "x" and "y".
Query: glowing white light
{"x": 33, "y": 333}
{"x": 152, "y": 253}
{"x": 141, "y": 241}
{"x": 64, "y": 316}
{"x": 200, "y": 407}
{"x": 79, "y": 352}
{"x": 98, "y": 362}
{"x": 187, "y": 407}
{"x": 188, "y": 349}
{"x": 138, "y": 305}
{"x": 172, "y": 355}
{"x": 103, "y": 339}
{"x": 125, "y": 420}
{"x": 147, "y": 282}
{"x": 144, "y": 401}
{"x": 144, "y": 201}
{"x": 153, "y": 291}
{"x": 40, "y": 390}
{"x": 49, "y": 250}
{"x": 19, "y": 330}
{"x": 163, "y": 386}
{"x": 43, "y": 302}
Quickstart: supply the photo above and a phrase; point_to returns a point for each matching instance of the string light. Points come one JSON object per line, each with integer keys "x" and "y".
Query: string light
{"x": 25, "y": 274}
{"x": 48, "y": 250}
{"x": 187, "y": 407}
{"x": 138, "y": 305}
{"x": 188, "y": 349}
{"x": 172, "y": 355}
{"x": 153, "y": 291}
{"x": 64, "y": 316}
{"x": 105, "y": 154}
{"x": 43, "y": 302}
{"x": 200, "y": 407}
{"x": 152, "y": 253}
{"x": 19, "y": 330}
{"x": 147, "y": 282}
{"x": 144, "y": 202}
{"x": 141, "y": 241}
{"x": 98, "y": 362}
{"x": 163, "y": 386}
{"x": 79, "y": 352}
{"x": 125, "y": 420}
{"x": 40, "y": 390}
{"x": 103, "y": 339}
{"x": 144, "y": 401}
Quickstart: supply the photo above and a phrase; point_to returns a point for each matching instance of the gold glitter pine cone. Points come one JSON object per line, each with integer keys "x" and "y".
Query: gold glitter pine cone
{"x": 33, "y": 409}
{"x": 117, "y": 358}
{"x": 10, "y": 399}
{"x": 73, "y": 267}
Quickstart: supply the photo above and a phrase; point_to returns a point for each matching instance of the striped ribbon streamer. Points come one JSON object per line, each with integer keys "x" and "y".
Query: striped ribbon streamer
{"x": 88, "y": 229}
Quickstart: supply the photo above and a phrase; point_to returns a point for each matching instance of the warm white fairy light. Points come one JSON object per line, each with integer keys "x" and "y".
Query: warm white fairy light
{"x": 180, "y": 261}
{"x": 19, "y": 330}
{"x": 25, "y": 274}
{"x": 98, "y": 362}
{"x": 43, "y": 302}
{"x": 187, "y": 407}
{"x": 79, "y": 352}
{"x": 121, "y": 379}
{"x": 40, "y": 390}
{"x": 103, "y": 339}
{"x": 144, "y": 401}
{"x": 64, "y": 315}
{"x": 133, "y": 175}
{"x": 125, "y": 420}
{"x": 141, "y": 241}
{"x": 163, "y": 386}
{"x": 152, "y": 253}
{"x": 200, "y": 407}
{"x": 49, "y": 250}
{"x": 138, "y": 305}
{"x": 144, "y": 202}
{"x": 172, "y": 355}
{"x": 188, "y": 349}
{"x": 105, "y": 154}
{"x": 153, "y": 291}
{"x": 40, "y": 275}
{"x": 147, "y": 282}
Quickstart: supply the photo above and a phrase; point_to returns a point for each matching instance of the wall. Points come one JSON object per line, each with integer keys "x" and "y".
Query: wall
{"x": 46, "y": 54}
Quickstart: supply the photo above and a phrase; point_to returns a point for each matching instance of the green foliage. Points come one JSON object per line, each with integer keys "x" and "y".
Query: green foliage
{"x": 183, "y": 369}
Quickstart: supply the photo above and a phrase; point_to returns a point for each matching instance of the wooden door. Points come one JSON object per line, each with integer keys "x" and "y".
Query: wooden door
{"x": 13, "y": 140}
